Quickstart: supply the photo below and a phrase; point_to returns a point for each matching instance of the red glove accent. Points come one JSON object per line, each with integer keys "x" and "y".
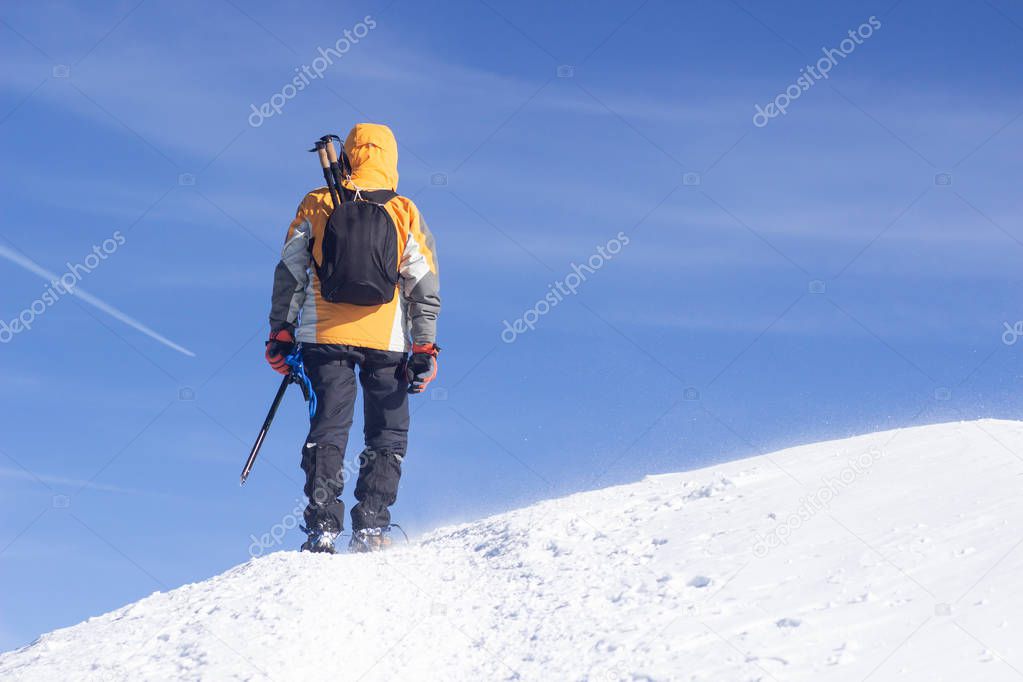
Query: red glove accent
{"x": 428, "y": 348}
{"x": 422, "y": 366}
{"x": 278, "y": 347}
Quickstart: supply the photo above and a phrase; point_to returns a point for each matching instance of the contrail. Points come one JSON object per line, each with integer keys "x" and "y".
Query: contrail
{"x": 113, "y": 312}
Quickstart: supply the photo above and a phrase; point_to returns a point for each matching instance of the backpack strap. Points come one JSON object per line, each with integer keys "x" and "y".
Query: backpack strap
{"x": 375, "y": 196}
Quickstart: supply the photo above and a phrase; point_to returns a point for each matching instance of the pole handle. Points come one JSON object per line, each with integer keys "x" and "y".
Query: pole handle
{"x": 324, "y": 157}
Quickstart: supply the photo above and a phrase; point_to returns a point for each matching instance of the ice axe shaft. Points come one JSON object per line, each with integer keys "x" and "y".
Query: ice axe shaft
{"x": 266, "y": 427}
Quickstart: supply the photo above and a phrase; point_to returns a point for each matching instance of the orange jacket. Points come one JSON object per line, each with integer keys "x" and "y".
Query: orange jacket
{"x": 412, "y": 313}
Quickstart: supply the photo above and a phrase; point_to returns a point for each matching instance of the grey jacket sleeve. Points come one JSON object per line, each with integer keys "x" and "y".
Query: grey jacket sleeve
{"x": 291, "y": 278}
{"x": 420, "y": 283}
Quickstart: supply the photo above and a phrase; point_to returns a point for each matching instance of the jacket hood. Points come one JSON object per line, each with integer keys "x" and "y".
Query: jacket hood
{"x": 373, "y": 152}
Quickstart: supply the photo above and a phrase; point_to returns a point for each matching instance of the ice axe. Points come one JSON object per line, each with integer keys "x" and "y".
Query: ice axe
{"x": 266, "y": 427}
{"x": 296, "y": 375}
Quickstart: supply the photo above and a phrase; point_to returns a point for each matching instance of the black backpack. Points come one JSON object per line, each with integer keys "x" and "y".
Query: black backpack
{"x": 360, "y": 250}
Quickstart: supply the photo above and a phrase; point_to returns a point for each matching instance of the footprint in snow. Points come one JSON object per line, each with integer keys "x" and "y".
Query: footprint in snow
{"x": 700, "y": 581}
{"x": 843, "y": 654}
{"x": 789, "y": 623}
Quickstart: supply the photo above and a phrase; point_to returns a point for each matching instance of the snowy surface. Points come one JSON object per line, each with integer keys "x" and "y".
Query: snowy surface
{"x": 892, "y": 556}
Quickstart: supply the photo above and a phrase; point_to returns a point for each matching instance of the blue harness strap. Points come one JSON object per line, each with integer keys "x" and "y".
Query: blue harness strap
{"x": 299, "y": 376}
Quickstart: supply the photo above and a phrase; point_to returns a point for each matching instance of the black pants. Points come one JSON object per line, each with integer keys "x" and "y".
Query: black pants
{"x": 332, "y": 370}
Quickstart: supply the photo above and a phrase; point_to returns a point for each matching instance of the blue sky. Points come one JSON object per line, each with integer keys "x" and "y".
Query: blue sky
{"x": 848, "y": 267}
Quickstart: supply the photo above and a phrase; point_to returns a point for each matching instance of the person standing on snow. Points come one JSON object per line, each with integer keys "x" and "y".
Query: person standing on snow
{"x": 341, "y": 339}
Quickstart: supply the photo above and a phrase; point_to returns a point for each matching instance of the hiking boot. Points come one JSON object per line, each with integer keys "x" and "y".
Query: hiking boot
{"x": 370, "y": 540}
{"x": 320, "y": 540}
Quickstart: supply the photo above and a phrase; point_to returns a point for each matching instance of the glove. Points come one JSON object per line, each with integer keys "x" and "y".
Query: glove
{"x": 422, "y": 366}
{"x": 280, "y": 345}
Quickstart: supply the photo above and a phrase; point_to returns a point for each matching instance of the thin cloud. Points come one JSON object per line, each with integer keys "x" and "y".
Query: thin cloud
{"x": 113, "y": 312}
{"x": 22, "y": 475}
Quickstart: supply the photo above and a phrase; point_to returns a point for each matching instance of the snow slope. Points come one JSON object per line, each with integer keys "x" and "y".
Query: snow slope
{"x": 891, "y": 556}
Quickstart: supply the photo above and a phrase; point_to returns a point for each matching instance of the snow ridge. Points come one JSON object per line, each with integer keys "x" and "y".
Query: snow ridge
{"x": 892, "y": 555}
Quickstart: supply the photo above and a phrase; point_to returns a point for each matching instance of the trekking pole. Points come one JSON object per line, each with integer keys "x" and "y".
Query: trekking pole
{"x": 339, "y": 170}
{"x": 266, "y": 427}
{"x": 321, "y": 151}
